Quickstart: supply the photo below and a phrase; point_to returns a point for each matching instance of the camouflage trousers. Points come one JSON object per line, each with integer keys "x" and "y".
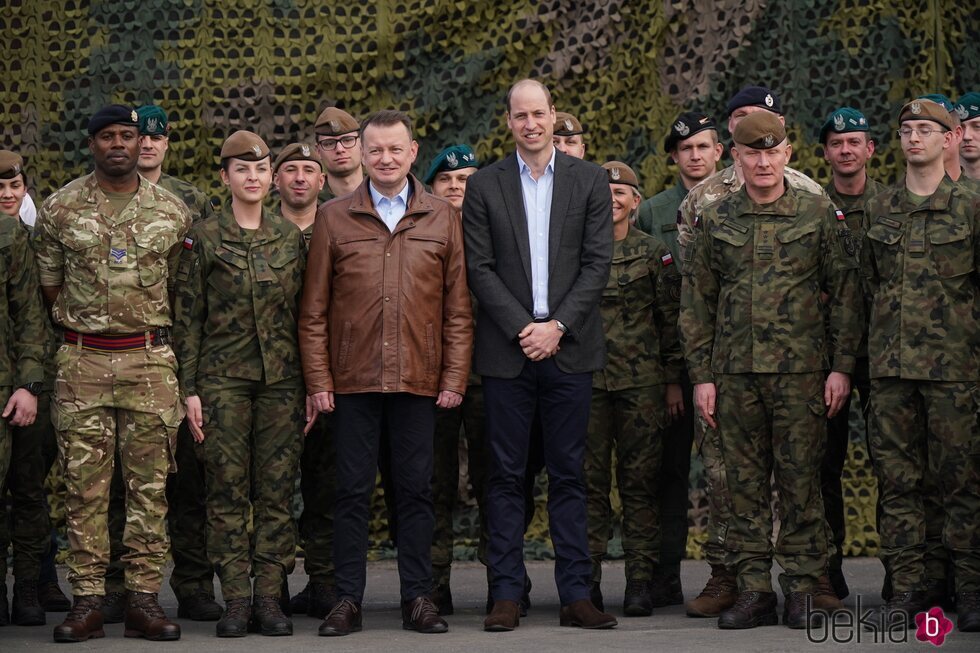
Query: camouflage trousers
{"x": 774, "y": 426}
{"x": 921, "y": 429}
{"x": 708, "y": 443}
{"x": 445, "y": 476}
{"x": 186, "y": 493}
{"x": 29, "y": 527}
{"x": 252, "y": 447}
{"x": 104, "y": 402}
{"x": 629, "y": 422}
{"x": 318, "y": 480}
{"x": 674, "y": 484}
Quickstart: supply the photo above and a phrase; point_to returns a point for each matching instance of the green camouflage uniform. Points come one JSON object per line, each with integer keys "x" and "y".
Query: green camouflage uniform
{"x": 919, "y": 264}
{"x": 237, "y": 300}
{"x": 719, "y": 185}
{"x": 639, "y": 316}
{"x": 23, "y": 347}
{"x": 116, "y": 274}
{"x": 750, "y": 323}
{"x": 658, "y": 217}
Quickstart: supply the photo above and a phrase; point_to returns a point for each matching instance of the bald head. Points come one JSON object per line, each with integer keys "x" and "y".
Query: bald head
{"x": 528, "y": 84}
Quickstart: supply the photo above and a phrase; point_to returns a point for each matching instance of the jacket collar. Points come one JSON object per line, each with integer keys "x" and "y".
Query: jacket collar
{"x": 268, "y": 231}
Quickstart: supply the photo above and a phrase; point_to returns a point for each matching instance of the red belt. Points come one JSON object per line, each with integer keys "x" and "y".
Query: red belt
{"x": 128, "y": 342}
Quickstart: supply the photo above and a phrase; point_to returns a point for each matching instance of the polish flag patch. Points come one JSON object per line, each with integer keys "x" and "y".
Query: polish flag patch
{"x": 840, "y": 215}
{"x": 667, "y": 259}
{"x": 188, "y": 243}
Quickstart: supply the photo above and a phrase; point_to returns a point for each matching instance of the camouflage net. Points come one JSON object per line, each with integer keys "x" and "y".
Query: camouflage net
{"x": 626, "y": 69}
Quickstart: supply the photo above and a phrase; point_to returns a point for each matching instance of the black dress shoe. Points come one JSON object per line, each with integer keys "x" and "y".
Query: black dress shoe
{"x": 421, "y": 615}
{"x": 636, "y": 599}
{"x": 199, "y": 606}
{"x": 344, "y": 619}
{"x": 234, "y": 622}
{"x": 751, "y": 609}
{"x": 268, "y": 617}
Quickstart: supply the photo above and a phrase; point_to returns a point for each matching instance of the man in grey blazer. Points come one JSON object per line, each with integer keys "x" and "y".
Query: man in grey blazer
{"x": 538, "y": 240}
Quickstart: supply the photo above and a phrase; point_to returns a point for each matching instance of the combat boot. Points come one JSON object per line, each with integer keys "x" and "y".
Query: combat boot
{"x": 199, "y": 606}
{"x": 636, "y": 599}
{"x": 52, "y": 598}
{"x": 234, "y": 622}
{"x": 4, "y": 605}
{"x": 268, "y": 617}
{"x": 907, "y": 603}
{"x": 751, "y": 609}
{"x": 595, "y": 595}
{"x": 113, "y": 607}
{"x": 666, "y": 590}
{"x": 26, "y": 609}
{"x": 321, "y": 600}
{"x": 968, "y": 612}
{"x": 145, "y": 618}
{"x": 83, "y": 621}
{"x": 300, "y": 603}
{"x": 442, "y": 596}
{"x": 719, "y": 594}
{"x": 824, "y": 596}
{"x": 794, "y": 611}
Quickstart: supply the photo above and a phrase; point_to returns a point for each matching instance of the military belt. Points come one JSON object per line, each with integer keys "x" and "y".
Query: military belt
{"x": 128, "y": 342}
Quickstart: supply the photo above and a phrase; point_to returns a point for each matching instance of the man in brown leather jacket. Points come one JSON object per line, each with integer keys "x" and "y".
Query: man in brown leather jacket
{"x": 386, "y": 334}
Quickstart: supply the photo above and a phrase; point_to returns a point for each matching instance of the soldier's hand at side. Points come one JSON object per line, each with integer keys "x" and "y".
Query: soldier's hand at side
{"x": 836, "y": 391}
{"x": 448, "y": 399}
{"x": 704, "y": 398}
{"x": 195, "y": 417}
{"x": 22, "y": 405}
{"x": 675, "y": 401}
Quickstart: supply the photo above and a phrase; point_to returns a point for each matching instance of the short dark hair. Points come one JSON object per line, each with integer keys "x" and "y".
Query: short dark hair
{"x": 387, "y": 118}
{"x": 510, "y": 92}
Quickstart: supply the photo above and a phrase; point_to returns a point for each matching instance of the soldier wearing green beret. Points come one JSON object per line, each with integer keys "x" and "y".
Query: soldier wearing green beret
{"x": 24, "y": 340}
{"x": 107, "y": 246}
{"x": 764, "y": 264}
{"x": 968, "y": 110}
{"x": 919, "y": 259}
{"x": 338, "y": 141}
{"x": 634, "y": 397}
{"x": 240, "y": 280}
{"x": 569, "y": 135}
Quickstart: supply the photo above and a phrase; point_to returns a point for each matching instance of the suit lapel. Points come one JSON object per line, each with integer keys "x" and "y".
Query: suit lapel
{"x": 561, "y": 195}
{"x": 513, "y": 194}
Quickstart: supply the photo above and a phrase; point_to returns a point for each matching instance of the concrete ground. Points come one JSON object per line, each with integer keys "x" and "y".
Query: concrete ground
{"x": 667, "y": 630}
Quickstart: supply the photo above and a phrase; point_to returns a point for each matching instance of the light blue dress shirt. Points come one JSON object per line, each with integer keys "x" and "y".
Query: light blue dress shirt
{"x": 537, "y": 208}
{"x": 390, "y": 210}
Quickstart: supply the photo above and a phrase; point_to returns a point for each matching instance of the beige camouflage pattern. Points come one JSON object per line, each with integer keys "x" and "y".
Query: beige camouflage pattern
{"x": 115, "y": 271}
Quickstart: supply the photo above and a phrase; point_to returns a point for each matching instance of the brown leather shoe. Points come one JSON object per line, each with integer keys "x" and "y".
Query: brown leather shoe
{"x": 504, "y": 616}
{"x": 718, "y": 595}
{"x": 824, "y": 597}
{"x": 83, "y": 621}
{"x": 421, "y": 615}
{"x": 582, "y": 614}
{"x": 750, "y": 610}
{"x": 145, "y": 618}
{"x": 344, "y": 619}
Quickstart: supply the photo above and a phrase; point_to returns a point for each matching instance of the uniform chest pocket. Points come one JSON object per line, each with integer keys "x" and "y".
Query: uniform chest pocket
{"x": 951, "y": 248}
{"x": 729, "y": 243}
{"x": 886, "y": 245}
{"x": 286, "y": 272}
{"x": 799, "y": 247}
{"x": 229, "y": 275}
{"x": 151, "y": 256}
{"x": 636, "y": 284}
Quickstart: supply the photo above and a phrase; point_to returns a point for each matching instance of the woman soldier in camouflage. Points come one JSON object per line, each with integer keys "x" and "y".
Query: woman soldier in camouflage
{"x": 239, "y": 286}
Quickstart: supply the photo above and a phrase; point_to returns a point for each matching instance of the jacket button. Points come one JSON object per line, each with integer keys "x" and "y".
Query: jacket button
{"x": 387, "y": 299}
{"x": 386, "y": 343}
{"x": 384, "y": 388}
{"x": 387, "y": 253}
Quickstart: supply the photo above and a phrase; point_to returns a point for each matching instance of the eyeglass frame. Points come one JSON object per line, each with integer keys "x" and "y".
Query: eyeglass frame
{"x": 334, "y": 141}
{"x": 924, "y": 132}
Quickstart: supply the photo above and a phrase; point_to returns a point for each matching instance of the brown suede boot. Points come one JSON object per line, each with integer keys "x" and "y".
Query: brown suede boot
{"x": 718, "y": 595}
{"x": 824, "y": 597}
{"x": 503, "y": 617}
{"x": 583, "y": 614}
{"x": 145, "y": 618}
{"x": 83, "y": 621}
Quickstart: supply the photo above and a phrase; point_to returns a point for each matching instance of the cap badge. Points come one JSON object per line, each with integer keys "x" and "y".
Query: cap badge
{"x": 151, "y": 124}
{"x": 862, "y": 121}
{"x": 769, "y": 101}
{"x": 704, "y": 120}
{"x": 257, "y": 150}
{"x": 614, "y": 174}
{"x": 962, "y": 112}
{"x": 305, "y": 149}
{"x": 334, "y": 125}
{"x": 916, "y": 108}
{"x": 838, "y": 122}
{"x": 16, "y": 168}
{"x": 452, "y": 159}
{"x": 769, "y": 140}
{"x": 682, "y": 128}
{"x": 134, "y": 116}
{"x": 568, "y": 125}
{"x": 469, "y": 157}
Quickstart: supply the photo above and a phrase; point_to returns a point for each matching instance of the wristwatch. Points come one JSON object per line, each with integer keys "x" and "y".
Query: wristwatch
{"x": 34, "y": 387}
{"x": 561, "y": 326}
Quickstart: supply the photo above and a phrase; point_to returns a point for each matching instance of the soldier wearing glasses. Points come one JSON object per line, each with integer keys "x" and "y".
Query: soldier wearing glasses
{"x": 339, "y": 146}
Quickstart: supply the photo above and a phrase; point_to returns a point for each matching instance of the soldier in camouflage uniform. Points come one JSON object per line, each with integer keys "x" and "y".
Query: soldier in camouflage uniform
{"x": 919, "y": 263}
{"x": 693, "y": 145}
{"x": 106, "y": 249}
{"x": 339, "y": 145}
{"x": 239, "y": 284}
{"x": 634, "y": 397}
{"x": 951, "y": 156}
{"x": 968, "y": 110}
{"x": 720, "y": 591}
{"x": 23, "y": 347}
{"x": 569, "y": 135}
{"x": 847, "y": 147}
{"x": 757, "y": 349}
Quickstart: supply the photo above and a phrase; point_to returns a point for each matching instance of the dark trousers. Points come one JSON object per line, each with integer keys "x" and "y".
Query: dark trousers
{"x": 563, "y": 402}
{"x": 410, "y": 427}
{"x": 186, "y": 519}
{"x": 675, "y": 471}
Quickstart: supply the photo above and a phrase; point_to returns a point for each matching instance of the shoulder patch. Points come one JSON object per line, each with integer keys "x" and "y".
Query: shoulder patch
{"x": 667, "y": 259}
{"x": 188, "y": 243}
{"x": 839, "y": 214}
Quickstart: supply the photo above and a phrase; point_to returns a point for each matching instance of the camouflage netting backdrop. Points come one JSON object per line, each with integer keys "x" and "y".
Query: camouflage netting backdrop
{"x": 626, "y": 69}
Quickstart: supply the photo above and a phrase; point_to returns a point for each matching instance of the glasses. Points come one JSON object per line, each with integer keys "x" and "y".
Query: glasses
{"x": 331, "y": 143}
{"x": 924, "y": 132}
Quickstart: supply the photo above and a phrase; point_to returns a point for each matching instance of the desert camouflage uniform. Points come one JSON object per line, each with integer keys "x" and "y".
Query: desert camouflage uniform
{"x": 919, "y": 264}
{"x": 116, "y": 276}
{"x": 750, "y": 323}
{"x": 639, "y": 316}
{"x": 237, "y": 301}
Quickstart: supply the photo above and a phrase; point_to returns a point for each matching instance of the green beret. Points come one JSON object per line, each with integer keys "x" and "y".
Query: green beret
{"x": 153, "y": 120}
{"x": 567, "y": 125}
{"x": 939, "y": 99}
{"x": 297, "y": 152}
{"x": 920, "y": 109}
{"x": 842, "y": 121}
{"x": 620, "y": 173}
{"x": 113, "y": 114}
{"x": 760, "y": 130}
{"x": 11, "y": 164}
{"x": 968, "y": 106}
{"x": 244, "y": 145}
{"x": 454, "y": 157}
{"x": 335, "y": 122}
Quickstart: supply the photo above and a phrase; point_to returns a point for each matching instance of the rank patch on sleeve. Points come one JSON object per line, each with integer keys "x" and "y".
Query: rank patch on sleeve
{"x": 188, "y": 243}
{"x": 667, "y": 259}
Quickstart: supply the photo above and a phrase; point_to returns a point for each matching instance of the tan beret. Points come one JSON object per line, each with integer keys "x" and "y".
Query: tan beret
{"x": 923, "y": 109}
{"x": 335, "y": 122}
{"x": 11, "y": 164}
{"x": 297, "y": 152}
{"x": 620, "y": 173}
{"x": 761, "y": 130}
{"x": 244, "y": 145}
{"x": 567, "y": 125}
